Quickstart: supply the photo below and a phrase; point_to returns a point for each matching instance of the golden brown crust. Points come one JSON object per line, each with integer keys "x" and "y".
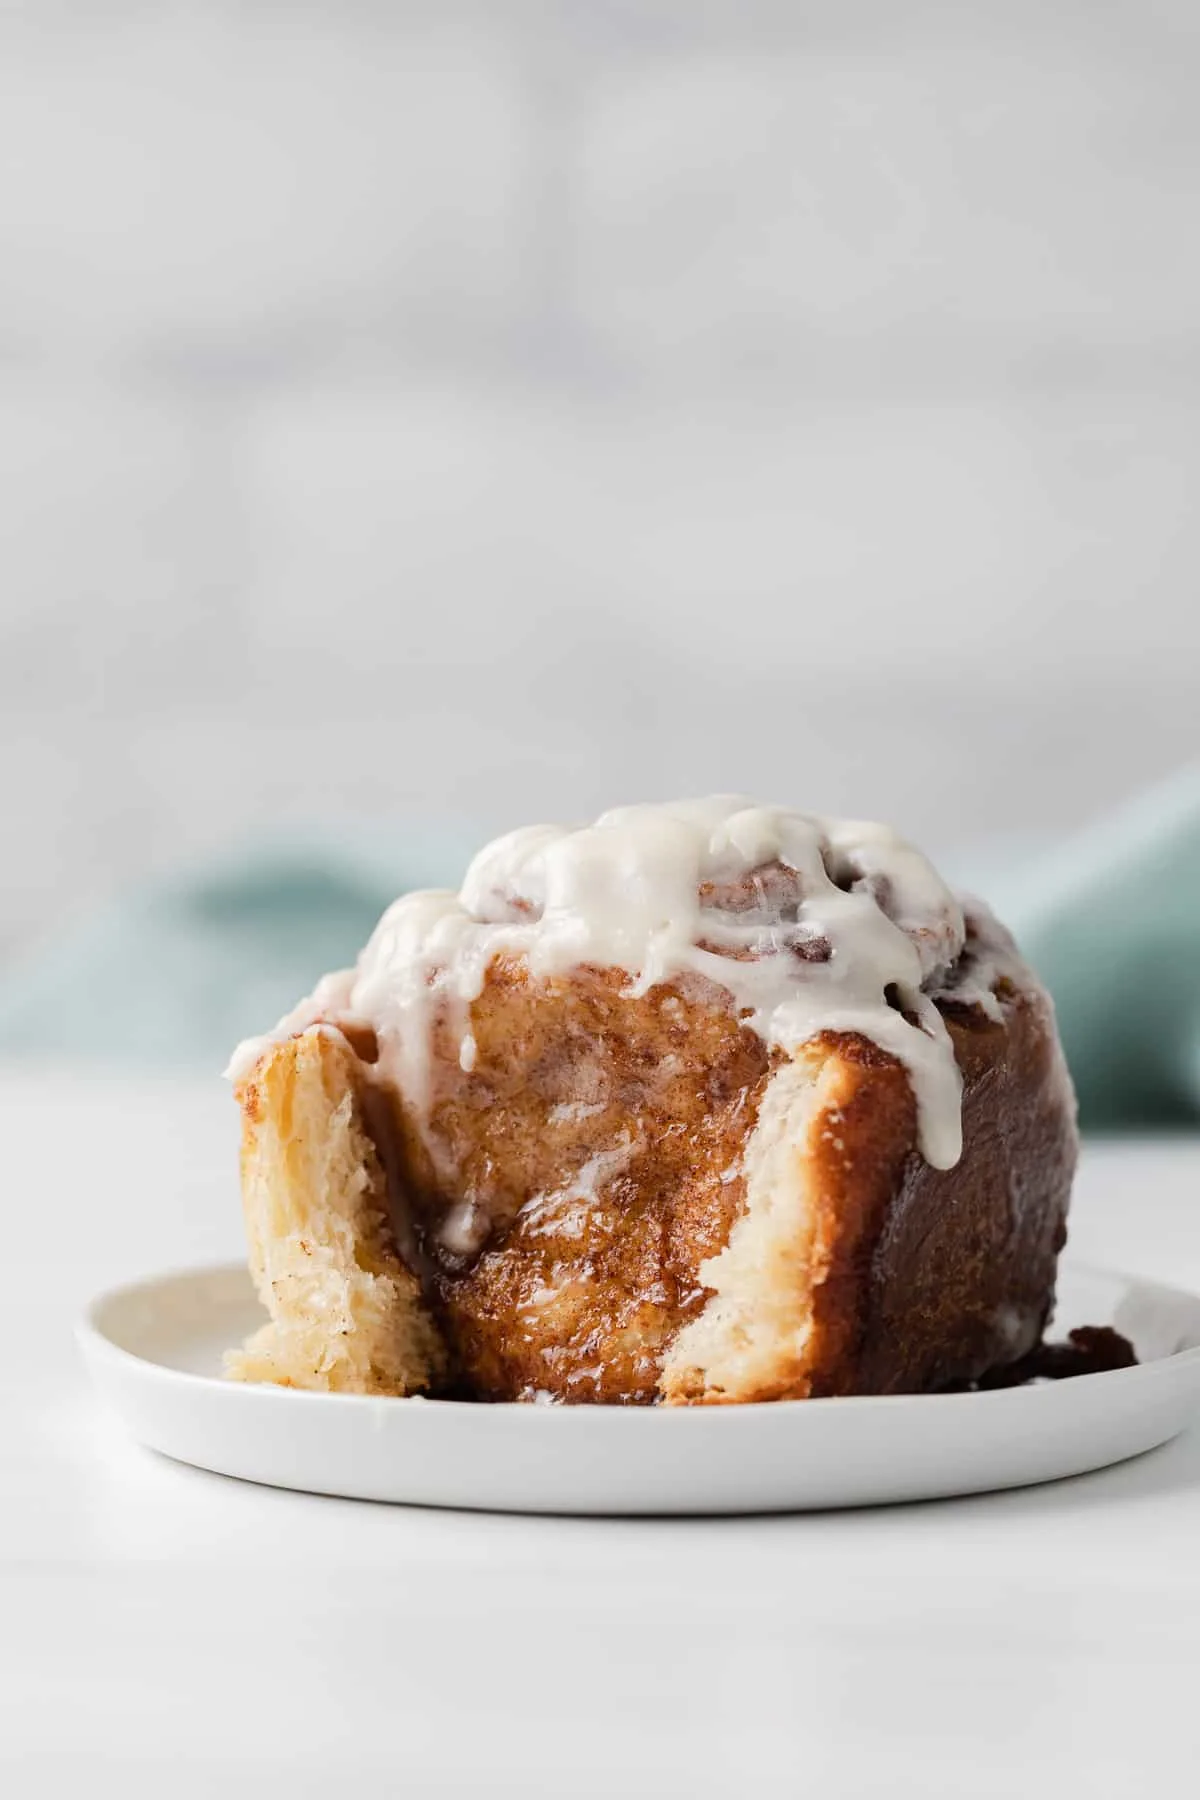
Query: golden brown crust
{"x": 935, "y": 1276}
{"x": 671, "y": 1212}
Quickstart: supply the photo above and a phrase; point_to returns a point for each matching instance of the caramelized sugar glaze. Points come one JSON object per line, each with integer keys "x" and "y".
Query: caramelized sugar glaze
{"x": 566, "y": 1189}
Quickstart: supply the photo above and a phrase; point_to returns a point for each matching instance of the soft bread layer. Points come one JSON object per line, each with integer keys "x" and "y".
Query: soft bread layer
{"x": 752, "y": 1339}
{"x": 346, "y": 1315}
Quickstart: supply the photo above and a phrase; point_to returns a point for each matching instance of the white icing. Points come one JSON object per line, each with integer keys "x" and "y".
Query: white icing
{"x": 625, "y": 893}
{"x": 464, "y": 1229}
{"x": 992, "y": 956}
{"x": 863, "y": 919}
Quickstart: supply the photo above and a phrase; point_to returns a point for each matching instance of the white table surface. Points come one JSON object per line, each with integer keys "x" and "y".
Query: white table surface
{"x": 168, "y": 1632}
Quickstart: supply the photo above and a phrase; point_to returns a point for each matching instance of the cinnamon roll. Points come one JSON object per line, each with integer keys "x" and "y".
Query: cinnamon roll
{"x": 706, "y": 1102}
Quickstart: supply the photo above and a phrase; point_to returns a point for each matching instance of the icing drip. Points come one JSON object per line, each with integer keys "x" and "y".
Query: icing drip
{"x": 808, "y": 924}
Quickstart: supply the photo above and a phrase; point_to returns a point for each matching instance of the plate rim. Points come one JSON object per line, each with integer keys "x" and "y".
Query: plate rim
{"x": 96, "y": 1346}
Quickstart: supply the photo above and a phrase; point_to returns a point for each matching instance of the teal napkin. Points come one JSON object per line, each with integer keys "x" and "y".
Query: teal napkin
{"x": 1110, "y": 918}
{"x": 176, "y": 974}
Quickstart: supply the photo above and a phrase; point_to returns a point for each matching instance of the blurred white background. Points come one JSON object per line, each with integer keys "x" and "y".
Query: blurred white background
{"x": 510, "y": 409}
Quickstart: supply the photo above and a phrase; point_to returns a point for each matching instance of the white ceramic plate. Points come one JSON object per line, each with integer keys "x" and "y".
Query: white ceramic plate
{"x": 155, "y": 1351}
